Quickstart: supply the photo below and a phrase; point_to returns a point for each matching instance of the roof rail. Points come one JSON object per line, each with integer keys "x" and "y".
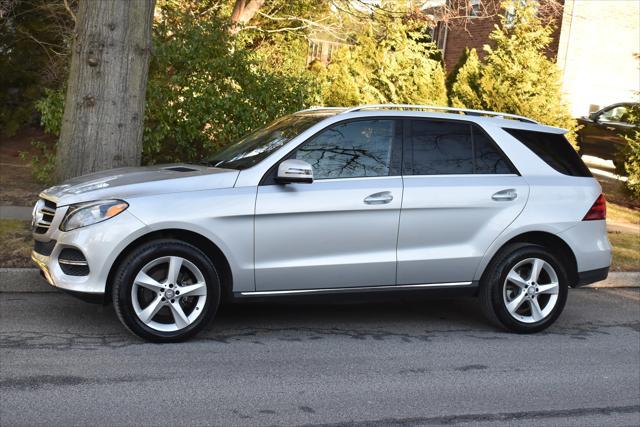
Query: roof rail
{"x": 437, "y": 108}
{"x": 319, "y": 108}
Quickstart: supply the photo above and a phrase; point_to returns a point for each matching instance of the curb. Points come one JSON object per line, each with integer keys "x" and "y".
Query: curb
{"x": 15, "y": 212}
{"x": 23, "y": 280}
{"x": 29, "y": 280}
{"x": 617, "y": 279}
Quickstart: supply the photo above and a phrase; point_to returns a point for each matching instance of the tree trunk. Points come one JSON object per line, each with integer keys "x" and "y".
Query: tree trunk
{"x": 243, "y": 11}
{"x": 104, "y": 108}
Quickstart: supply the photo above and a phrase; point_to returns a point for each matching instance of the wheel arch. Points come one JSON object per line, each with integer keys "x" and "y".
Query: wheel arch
{"x": 210, "y": 249}
{"x": 553, "y": 243}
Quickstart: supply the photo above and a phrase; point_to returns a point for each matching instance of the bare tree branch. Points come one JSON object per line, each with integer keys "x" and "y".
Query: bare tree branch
{"x": 304, "y": 24}
{"x": 66, "y": 6}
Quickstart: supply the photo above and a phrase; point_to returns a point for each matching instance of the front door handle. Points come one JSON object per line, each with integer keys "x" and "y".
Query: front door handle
{"x": 610, "y": 128}
{"x": 381, "y": 198}
{"x": 505, "y": 195}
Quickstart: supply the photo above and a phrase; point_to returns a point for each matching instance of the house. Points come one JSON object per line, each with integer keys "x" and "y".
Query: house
{"x": 596, "y": 45}
{"x": 321, "y": 47}
{"x": 598, "y": 53}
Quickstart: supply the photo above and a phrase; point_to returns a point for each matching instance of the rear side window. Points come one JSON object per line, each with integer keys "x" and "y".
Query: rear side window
{"x": 451, "y": 148}
{"x": 488, "y": 158}
{"x": 439, "y": 148}
{"x": 554, "y": 149}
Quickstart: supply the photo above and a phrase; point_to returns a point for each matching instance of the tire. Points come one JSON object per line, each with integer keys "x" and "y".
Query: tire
{"x": 522, "y": 303}
{"x": 166, "y": 290}
{"x": 619, "y": 168}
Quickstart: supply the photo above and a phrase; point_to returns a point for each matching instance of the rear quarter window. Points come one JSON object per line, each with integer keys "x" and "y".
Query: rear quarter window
{"x": 554, "y": 149}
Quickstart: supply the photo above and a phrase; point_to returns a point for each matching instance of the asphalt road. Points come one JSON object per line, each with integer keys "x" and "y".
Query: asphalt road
{"x": 65, "y": 362}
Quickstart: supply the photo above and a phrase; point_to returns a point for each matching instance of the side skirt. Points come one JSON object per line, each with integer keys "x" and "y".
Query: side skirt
{"x": 381, "y": 292}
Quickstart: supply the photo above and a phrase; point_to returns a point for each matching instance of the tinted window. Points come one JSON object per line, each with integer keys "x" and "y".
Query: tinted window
{"x": 489, "y": 159}
{"x": 348, "y": 150}
{"x": 439, "y": 148}
{"x": 445, "y": 148}
{"x": 619, "y": 113}
{"x": 261, "y": 143}
{"x": 554, "y": 149}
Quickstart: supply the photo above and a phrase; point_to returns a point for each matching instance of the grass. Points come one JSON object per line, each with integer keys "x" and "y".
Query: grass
{"x": 621, "y": 214}
{"x": 15, "y": 243}
{"x": 626, "y": 251}
{"x": 622, "y": 208}
{"x": 617, "y": 193}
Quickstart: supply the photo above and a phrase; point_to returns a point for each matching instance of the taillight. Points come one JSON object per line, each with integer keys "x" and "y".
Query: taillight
{"x": 598, "y": 210}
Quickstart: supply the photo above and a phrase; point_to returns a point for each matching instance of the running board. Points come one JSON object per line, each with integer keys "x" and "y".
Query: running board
{"x": 357, "y": 289}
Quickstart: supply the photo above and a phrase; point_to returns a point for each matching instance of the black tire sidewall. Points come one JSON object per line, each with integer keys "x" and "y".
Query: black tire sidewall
{"x": 132, "y": 265}
{"x": 499, "y": 274}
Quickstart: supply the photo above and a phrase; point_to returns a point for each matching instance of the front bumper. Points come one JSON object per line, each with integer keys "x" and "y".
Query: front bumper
{"x": 97, "y": 298}
{"x": 100, "y": 244}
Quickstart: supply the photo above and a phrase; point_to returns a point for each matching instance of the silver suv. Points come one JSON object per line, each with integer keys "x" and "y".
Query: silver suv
{"x": 381, "y": 198}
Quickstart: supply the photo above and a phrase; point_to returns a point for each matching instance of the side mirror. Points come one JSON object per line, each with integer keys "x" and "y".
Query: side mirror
{"x": 594, "y": 116}
{"x": 292, "y": 170}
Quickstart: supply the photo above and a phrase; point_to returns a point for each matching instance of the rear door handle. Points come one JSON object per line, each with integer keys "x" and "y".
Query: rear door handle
{"x": 610, "y": 128}
{"x": 381, "y": 198}
{"x": 505, "y": 195}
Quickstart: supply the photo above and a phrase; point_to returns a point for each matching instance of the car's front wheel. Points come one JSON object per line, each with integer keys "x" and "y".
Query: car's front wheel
{"x": 166, "y": 290}
{"x": 524, "y": 289}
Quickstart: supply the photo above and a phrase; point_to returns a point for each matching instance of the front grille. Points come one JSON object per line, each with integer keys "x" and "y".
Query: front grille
{"x": 46, "y": 211}
{"x": 44, "y": 248}
{"x": 73, "y": 262}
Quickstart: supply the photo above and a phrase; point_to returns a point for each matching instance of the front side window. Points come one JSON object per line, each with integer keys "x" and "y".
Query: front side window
{"x": 361, "y": 148}
{"x": 615, "y": 114}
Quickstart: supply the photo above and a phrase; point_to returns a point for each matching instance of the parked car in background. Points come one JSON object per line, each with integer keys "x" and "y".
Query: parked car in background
{"x": 373, "y": 199}
{"x": 602, "y": 133}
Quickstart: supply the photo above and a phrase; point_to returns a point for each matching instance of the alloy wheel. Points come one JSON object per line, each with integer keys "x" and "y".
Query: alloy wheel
{"x": 530, "y": 290}
{"x": 169, "y": 293}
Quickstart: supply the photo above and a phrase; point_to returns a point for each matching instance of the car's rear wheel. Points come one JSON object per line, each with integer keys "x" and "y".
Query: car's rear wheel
{"x": 524, "y": 288}
{"x": 166, "y": 290}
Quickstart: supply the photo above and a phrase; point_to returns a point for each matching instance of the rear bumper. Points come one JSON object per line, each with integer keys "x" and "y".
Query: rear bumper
{"x": 592, "y": 276}
{"x": 590, "y": 245}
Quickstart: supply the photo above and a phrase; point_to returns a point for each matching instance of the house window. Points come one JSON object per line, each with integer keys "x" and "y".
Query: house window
{"x": 438, "y": 34}
{"x": 315, "y": 51}
{"x": 330, "y": 51}
{"x": 510, "y": 13}
{"x": 322, "y": 50}
{"x": 475, "y": 8}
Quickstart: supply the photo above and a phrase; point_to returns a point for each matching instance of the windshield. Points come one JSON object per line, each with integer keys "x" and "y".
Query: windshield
{"x": 261, "y": 143}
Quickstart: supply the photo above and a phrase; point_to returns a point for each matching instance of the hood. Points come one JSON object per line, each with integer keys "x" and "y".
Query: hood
{"x": 140, "y": 181}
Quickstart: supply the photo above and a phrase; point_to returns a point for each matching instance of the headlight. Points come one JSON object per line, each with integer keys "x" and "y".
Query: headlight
{"x": 84, "y": 214}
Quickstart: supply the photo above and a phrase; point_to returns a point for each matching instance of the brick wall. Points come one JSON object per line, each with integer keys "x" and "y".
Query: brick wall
{"x": 474, "y": 33}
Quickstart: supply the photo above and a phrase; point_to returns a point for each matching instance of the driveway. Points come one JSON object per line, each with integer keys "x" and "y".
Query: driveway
{"x": 65, "y": 362}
